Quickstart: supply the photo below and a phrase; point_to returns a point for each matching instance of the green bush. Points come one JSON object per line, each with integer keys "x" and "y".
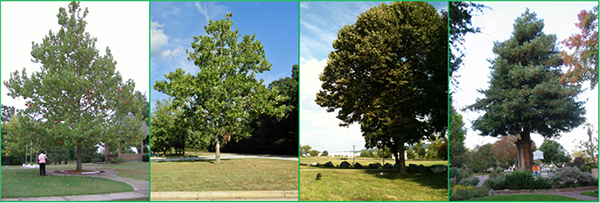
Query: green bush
{"x": 452, "y": 171}
{"x": 145, "y": 158}
{"x": 472, "y": 181}
{"x": 520, "y": 180}
{"x": 496, "y": 183}
{"x": 588, "y": 167}
{"x": 344, "y": 158}
{"x": 116, "y": 160}
{"x": 497, "y": 172}
{"x": 462, "y": 174}
{"x": 460, "y": 192}
{"x": 567, "y": 177}
{"x": 541, "y": 183}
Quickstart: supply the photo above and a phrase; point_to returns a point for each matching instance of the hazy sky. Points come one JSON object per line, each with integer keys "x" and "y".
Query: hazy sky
{"x": 319, "y": 25}
{"x": 497, "y": 25}
{"x": 174, "y": 25}
{"x": 122, "y": 26}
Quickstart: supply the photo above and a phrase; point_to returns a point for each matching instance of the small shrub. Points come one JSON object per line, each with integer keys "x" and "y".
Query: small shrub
{"x": 496, "y": 183}
{"x": 344, "y": 158}
{"x": 472, "y": 181}
{"x": 496, "y": 172}
{"x": 520, "y": 180}
{"x": 567, "y": 177}
{"x": 462, "y": 174}
{"x": 588, "y": 167}
{"x": 145, "y": 158}
{"x": 116, "y": 160}
{"x": 541, "y": 183}
{"x": 460, "y": 192}
{"x": 452, "y": 171}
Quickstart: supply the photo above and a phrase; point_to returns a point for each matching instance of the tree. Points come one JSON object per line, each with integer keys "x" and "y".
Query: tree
{"x": 420, "y": 150}
{"x": 525, "y": 95}
{"x": 583, "y": 62}
{"x": 325, "y": 153}
{"x": 505, "y": 151}
{"x": 460, "y": 25}
{"x": 305, "y": 149}
{"x": 7, "y": 113}
{"x": 410, "y": 154}
{"x": 77, "y": 97}
{"x": 384, "y": 153}
{"x": 388, "y": 73}
{"x": 589, "y": 148}
{"x": 481, "y": 159}
{"x": 366, "y": 153}
{"x": 457, "y": 135}
{"x": 554, "y": 153}
{"x": 220, "y": 99}
{"x": 314, "y": 153}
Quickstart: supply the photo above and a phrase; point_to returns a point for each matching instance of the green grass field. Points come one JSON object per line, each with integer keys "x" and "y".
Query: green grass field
{"x": 134, "y": 170}
{"x": 525, "y": 197}
{"x": 28, "y": 183}
{"x": 229, "y": 175}
{"x": 591, "y": 193}
{"x": 370, "y": 185}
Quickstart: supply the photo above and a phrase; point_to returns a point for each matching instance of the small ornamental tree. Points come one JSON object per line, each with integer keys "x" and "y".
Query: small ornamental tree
{"x": 77, "y": 98}
{"x": 525, "y": 94}
{"x": 220, "y": 99}
{"x": 554, "y": 153}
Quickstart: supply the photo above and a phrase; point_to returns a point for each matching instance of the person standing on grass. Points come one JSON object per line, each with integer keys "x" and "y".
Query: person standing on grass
{"x": 536, "y": 170}
{"x": 42, "y": 162}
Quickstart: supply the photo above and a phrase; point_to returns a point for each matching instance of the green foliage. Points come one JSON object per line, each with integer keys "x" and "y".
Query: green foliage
{"x": 460, "y": 192}
{"x": 305, "y": 149}
{"x": 410, "y": 154}
{"x": 452, "y": 171}
{"x": 325, "y": 153}
{"x": 116, "y": 160}
{"x": 481, "y": 158}
{"x": 221, "y": 98}
{"x": 472, "y": 181}
{"x": 419, "y": 149}
{"x": 567, "y": 176}
{"x": 367, "y": 153}
{"x": 525, "y": 95}
{"x": 146, "y": 158}
{"x": 77, "y": 98}
{"x": 497, "y": 182}
{"x": 460, "y": 13}
{"x": 496, "y": 172}
{"x": 587, "y": 167}
{"x": 554, "y": 153}
{"x": 387, "y": 72}
{"x": 314, "y": 153}
{"x": 456, "y": 134}
{"x": 463, "y": 174}
{"x": 521, "y": 180}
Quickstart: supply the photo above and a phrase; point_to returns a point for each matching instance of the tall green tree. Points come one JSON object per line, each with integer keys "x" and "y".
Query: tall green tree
{"x": 525, "y": 95}
{"x": 388, "y": 73}
{"x": 583, "y": 62}
{"x": 554, "y": 153}
{"x": 77, "y": 97}
{"x": 457, "y": 135}
{"x": 220, "y": 99}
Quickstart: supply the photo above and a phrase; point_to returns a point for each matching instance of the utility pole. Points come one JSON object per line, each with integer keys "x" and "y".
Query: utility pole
{"x": 353, "y": 155}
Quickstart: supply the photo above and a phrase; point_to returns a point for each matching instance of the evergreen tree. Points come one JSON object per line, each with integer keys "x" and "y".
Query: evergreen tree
{"x": 525, "y": 95}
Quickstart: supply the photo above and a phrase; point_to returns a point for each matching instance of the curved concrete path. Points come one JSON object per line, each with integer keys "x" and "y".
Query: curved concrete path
{"x": 141, "y": 189}
{"x": 226, "y": 156}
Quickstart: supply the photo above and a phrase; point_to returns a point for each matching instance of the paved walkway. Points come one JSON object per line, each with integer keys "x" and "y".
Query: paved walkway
{"x": 141, "y": 189}
{"x": 572, "y": 194}
{"x": 227, "y": 156}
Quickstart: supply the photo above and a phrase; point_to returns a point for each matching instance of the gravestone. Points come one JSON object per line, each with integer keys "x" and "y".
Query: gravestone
{"x": 388, "y": 166}
{"x": 437, "y": 169}
{"x": 412, "y": 168}
{"x": 420, "y": 168}
{"x": 375, "y": 166}
{"x": 328, "y": 164}
{"x": 344, "y": 164}
{"x": 357, "y": 165}
{"x": 315, "y": 164}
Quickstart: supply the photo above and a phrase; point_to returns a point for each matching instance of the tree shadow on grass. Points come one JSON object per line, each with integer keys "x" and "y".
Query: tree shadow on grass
{"x": 427, "y": 179}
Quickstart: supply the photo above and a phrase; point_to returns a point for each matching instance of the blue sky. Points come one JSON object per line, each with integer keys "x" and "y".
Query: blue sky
{"x": 497, "y": 25}
{"x": 173, "y": 25}
{"x": 319, "y": 25}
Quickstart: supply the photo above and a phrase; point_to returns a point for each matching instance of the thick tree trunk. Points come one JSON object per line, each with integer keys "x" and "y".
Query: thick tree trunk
{"x": 106, "y": 153}
{"x": 525, "y": 155}
{"x": 79, "y": 164}
{"x": 401, "y": 161}
{"x": 217, "y": 150}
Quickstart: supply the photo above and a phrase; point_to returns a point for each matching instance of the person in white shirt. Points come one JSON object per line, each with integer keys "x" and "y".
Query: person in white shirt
{"x": 42, "y": 161}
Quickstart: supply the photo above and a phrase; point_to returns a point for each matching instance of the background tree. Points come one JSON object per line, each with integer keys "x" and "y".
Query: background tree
{"x": 366, "y": 153}
{"x": 589, "y": 148}
{"x": 481, "y": 158}
{"x": 384, "y": 153}
{"x": 505, "y": 151}
{"x": 305, "y": 149}
{"x": 220, "y": 99}
{"x": 583, "y": 62}
{"x": 457, "y": 135}
{"x": 388, "y": 73}
{"x": 76, "y": 97}
{"x": 460, "y": 25}
{"x": 325, "y": 153}
{"x": 420, "y": 150}
{"x": 314, "y": 153}
{"x": 554, "y": 153}
{"x": 525, "y": 95}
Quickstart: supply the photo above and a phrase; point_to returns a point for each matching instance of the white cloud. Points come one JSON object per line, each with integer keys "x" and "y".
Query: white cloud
{"x": 159, "y": 39}
{"x": 210, "y": 10}
{"x": 303, "y": 5}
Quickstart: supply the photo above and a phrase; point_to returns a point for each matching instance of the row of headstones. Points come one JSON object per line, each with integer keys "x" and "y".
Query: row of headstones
{"x": 411, "y": 167}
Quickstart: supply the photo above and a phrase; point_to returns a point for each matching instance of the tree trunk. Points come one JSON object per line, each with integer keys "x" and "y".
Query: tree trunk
{"x": 217, "y": 150}
{"x": 106, "y": 153}
{"x": 401, "y": 161}
{"x": 119, "y": 149}
{"x": 79, "y": 164}
{"x": 525, "y": 155}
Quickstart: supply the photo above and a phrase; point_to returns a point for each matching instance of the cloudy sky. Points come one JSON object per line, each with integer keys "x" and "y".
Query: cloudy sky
{"x": 319, "y": 25}
{"x": 497, "y": 25}
{"x": 122, "y": 26}
{"x": 174, "y": 24}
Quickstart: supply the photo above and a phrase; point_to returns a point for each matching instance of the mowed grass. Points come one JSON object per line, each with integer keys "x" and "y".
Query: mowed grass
{"x": 591, "y": 193}
{"x": 366, "y": 161}
{"x": 134, "y": 170}
{"x": 28, "y": 183}
{"x": 229, "y": 175}
{"x": 525, "y": 197}
{"x": 371, "y": 185}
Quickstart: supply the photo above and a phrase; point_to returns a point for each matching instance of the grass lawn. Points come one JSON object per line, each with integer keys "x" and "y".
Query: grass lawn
{"x": 134, "y": 170}
{"x": 525, "y": 197}
{"x": 591, "y": 193}
{"x": 28, "y": 183}
{"x": 371, "y": 185}
{"x": 230, "y": 175}
{"x": 366, "y": 161}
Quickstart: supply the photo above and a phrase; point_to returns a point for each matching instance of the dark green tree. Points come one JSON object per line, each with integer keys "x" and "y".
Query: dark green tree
{"x": 305, "y": 149}
{"x": 525, "y": 95}
{"x": 388, "y": 73}
{"x": 220, "y": 99}
{"x": 325, "y": 153}
{"x": 481, "y": 158}
{"x": 457, "y": 135}
{"x": 77, "y": 98}
{"x": 554, "y": 153}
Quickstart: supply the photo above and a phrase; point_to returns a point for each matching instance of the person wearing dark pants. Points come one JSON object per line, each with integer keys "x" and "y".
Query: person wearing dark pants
{"x": 42, "y": 162}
